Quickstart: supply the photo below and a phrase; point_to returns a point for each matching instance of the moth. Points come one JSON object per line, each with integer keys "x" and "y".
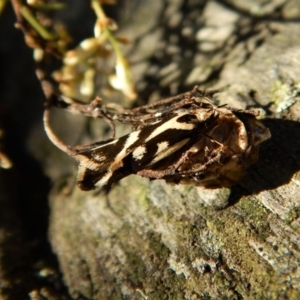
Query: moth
{"x": 182, "y": 140}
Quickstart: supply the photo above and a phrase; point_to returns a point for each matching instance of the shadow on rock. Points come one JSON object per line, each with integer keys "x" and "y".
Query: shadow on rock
{"x": 278, "y": 162}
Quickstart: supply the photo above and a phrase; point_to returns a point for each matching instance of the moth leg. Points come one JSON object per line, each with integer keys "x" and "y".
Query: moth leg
{"x": 203, "y": 167}
{"x": 174, "y": 170}
{"x": 112, "y": 127}
{"x": 167, "y": 172}
{"x": 138, "y": 118}
{"x": 147, "y": 114}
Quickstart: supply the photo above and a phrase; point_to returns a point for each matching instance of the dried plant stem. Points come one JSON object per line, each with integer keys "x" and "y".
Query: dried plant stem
{"x": 41, "y": 30}
{"x": 52, "y": 136}
{"x": 101, "y": 16}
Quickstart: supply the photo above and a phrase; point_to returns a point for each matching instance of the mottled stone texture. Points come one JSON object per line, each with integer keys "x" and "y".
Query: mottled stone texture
{"x": 150, "y": 240}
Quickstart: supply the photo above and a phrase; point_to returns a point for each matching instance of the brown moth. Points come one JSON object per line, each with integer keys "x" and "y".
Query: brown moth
{"x": 184, "y": 140}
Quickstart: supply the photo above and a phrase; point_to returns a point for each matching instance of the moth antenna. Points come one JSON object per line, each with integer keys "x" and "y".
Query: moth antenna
{"x": 52, "y": 136}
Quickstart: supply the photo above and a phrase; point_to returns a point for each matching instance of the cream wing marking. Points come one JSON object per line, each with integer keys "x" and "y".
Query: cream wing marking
{"x": 139, "y": 152}
{"x": 170, "y": 124}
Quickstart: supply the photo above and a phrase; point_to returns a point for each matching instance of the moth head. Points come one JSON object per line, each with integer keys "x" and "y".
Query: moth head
{"x": 205, "y": 114}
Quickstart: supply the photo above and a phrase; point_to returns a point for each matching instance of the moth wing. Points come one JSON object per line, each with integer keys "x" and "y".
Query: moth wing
{"x": 103, "y": 164}
{"x": 95, "y": 161}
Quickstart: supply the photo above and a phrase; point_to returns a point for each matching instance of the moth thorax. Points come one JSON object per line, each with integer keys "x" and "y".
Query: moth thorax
{"x": 203, "y": 114}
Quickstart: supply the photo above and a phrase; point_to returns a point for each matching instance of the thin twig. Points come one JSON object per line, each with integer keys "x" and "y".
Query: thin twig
{"x": 52, "y": 136}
